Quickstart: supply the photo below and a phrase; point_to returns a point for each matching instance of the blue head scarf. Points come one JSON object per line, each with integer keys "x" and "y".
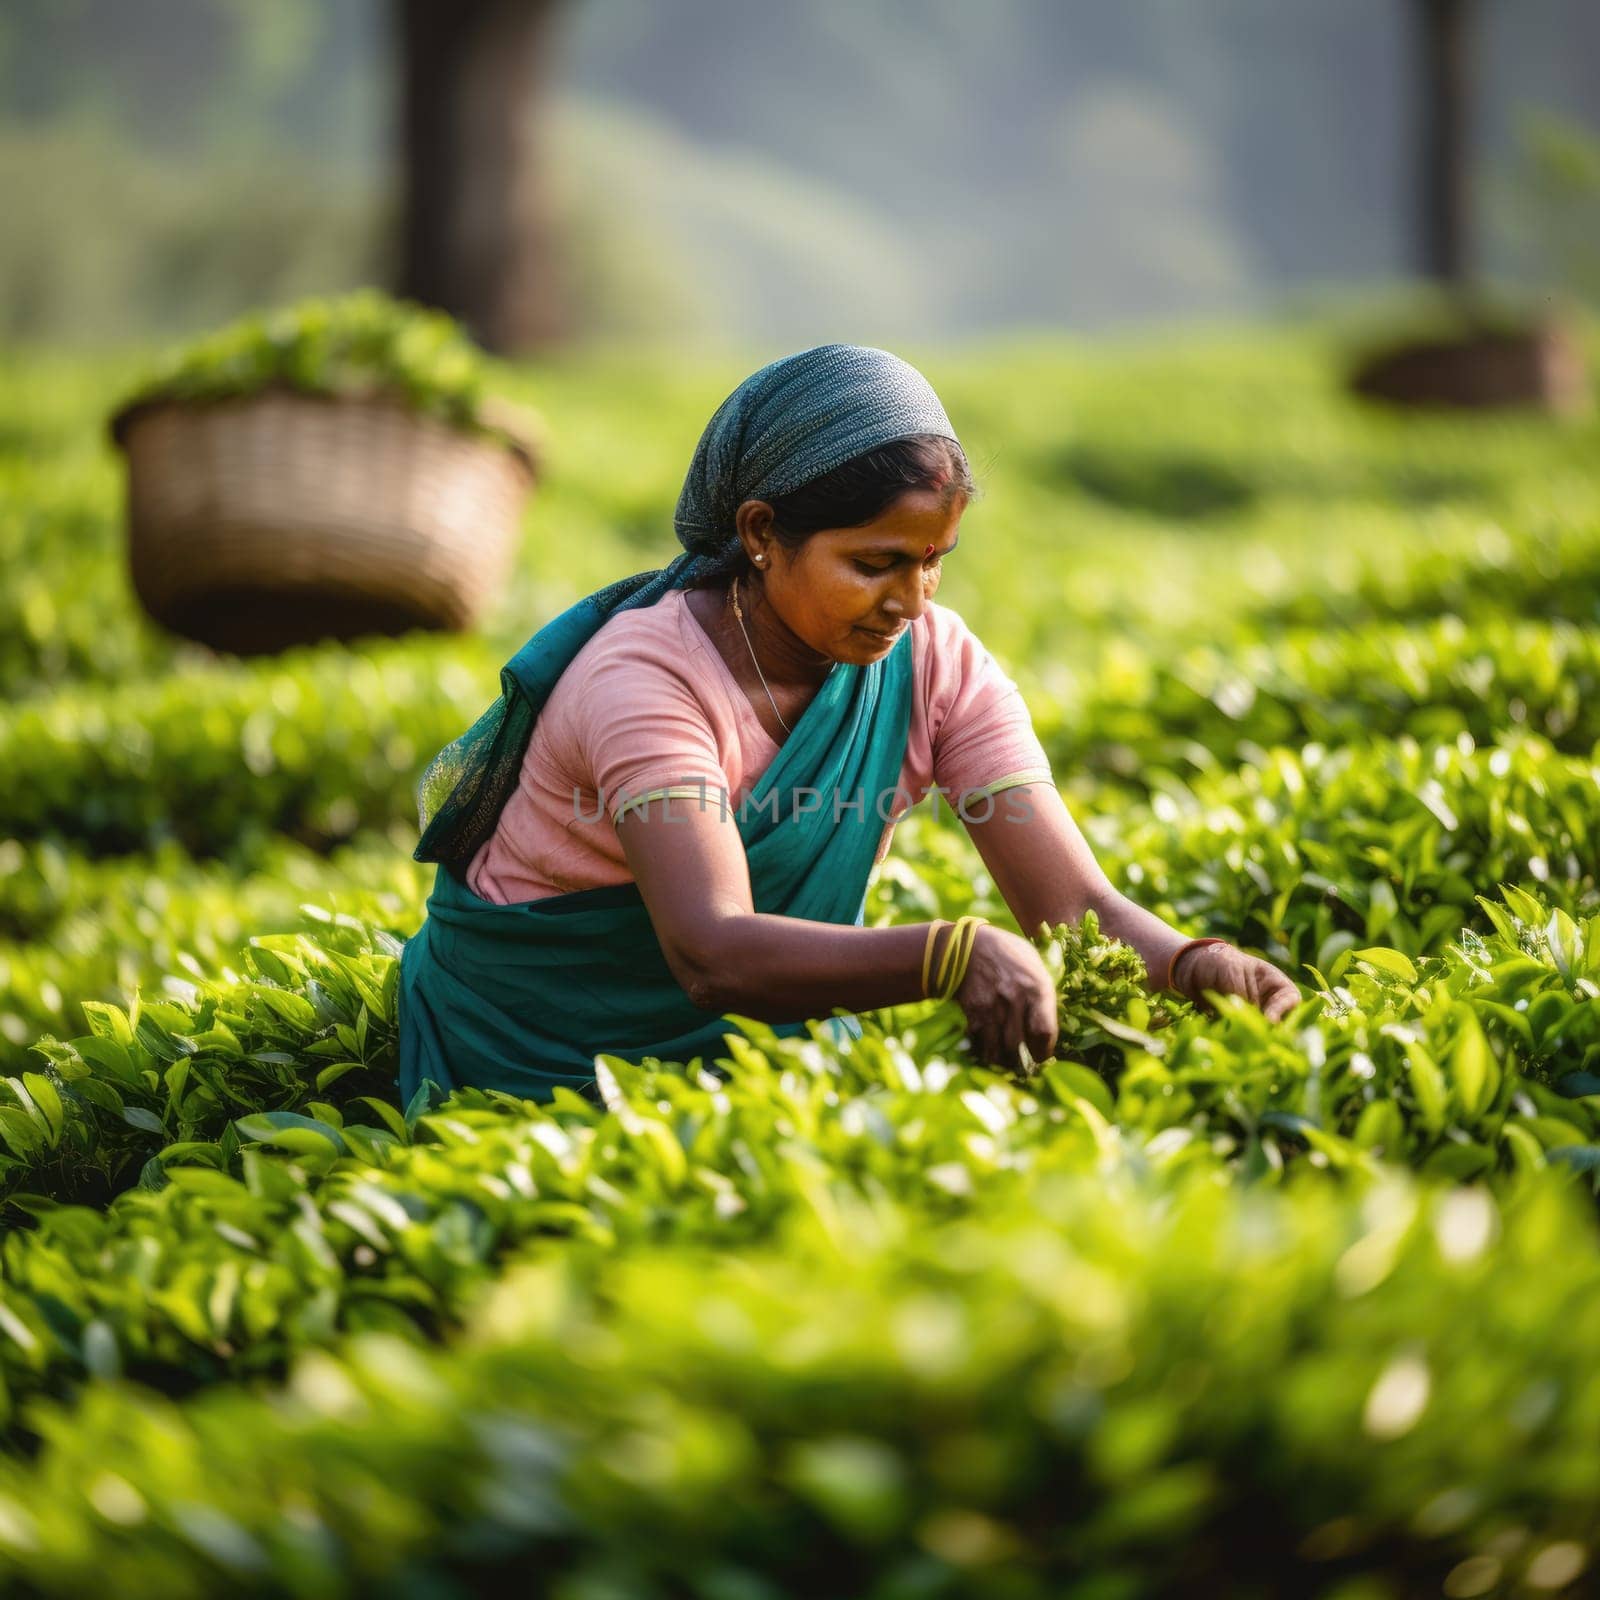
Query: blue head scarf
{"x": 793, "y": 422}
{"x": 785, "y": 426}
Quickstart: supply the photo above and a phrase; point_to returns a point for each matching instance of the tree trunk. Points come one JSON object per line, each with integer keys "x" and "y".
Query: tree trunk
{"x": 1444, "y": 37}
{"x": 475, "y": 235}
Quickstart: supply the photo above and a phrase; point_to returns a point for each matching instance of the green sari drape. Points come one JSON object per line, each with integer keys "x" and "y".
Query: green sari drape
{"x": 522, "y": 997}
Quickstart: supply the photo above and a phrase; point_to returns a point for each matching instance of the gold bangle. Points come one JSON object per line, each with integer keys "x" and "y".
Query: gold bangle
{"x": 958, "y": 955}
{"x": 963, "y": 959}
{"x": 927, "y": 953}
{"x": 947, "y": 960}
{"x": 964, "y": 955}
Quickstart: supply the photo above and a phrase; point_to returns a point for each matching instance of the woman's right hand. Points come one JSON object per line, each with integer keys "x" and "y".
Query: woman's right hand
{"x": 1009, "y": 1000}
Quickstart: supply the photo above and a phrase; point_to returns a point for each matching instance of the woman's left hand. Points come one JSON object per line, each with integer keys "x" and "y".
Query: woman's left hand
{"x": 1226, "y": 969}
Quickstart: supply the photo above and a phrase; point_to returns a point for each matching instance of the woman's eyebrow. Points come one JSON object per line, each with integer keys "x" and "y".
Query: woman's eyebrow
{"x": 895, "y": 550}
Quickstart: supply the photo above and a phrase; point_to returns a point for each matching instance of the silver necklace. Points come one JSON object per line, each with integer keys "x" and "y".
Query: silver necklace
{"x": 733, "y": 590}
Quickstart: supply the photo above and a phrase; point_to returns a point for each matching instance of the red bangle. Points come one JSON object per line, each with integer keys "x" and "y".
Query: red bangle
{"x": 1193, "y": 944}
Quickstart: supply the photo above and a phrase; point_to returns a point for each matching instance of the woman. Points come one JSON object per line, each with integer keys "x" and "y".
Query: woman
{"x": 672, "y": 810}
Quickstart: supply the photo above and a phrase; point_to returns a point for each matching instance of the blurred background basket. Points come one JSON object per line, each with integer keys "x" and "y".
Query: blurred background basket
{"x": 280, "y": 517}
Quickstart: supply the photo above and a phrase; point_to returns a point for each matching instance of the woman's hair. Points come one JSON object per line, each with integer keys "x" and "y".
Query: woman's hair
{"x": 866, "y": 485}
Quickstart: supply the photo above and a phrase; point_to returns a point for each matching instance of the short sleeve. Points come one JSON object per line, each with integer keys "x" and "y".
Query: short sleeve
{"x": 643, "y": 731}
{"x": 982, "y": 733}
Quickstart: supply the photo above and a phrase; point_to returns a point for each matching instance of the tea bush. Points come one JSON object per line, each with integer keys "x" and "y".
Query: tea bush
{"x": 1162, "y": 1386}
{"x": 360, "y": 344}
{"x": 1205, "y": 1304}
{"x": 83, "y": 929}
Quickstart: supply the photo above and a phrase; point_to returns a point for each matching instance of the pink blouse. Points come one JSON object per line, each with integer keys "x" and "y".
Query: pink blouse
{"x": 648, "y": 708}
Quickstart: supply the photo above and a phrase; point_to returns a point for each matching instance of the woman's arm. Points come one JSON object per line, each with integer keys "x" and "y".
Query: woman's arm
{"x": 1043, "y": 867}
{"x": 1045, "y": 872}
{"x": 690, "y": 865}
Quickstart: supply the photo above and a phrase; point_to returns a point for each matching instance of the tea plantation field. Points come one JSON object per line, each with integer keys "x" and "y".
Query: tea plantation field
{"x": 1207, "y": 1305}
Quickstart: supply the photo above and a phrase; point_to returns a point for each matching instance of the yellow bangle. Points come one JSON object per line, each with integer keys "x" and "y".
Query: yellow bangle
{"x": 927, "y": 953}
{"x": 958, "y": 952}
{"x": 963, "y": 957}
{"x": 947, "y": 960}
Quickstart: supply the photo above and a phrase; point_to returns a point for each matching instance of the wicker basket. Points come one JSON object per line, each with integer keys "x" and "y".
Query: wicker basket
{"x": 1541, "y": 365}
{"x": 281, "y": 517}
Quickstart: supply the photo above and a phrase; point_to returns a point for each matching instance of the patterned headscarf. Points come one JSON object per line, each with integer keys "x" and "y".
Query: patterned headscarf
{"x": 789, "y": 424}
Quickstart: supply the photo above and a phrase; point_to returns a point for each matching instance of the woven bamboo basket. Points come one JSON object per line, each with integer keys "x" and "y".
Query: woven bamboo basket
{"x": 280, "y": 517}
{"x": 1541, "y": 365}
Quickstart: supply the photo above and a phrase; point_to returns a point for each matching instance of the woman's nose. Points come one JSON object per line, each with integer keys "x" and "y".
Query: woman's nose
{"x": 908, "y": 597}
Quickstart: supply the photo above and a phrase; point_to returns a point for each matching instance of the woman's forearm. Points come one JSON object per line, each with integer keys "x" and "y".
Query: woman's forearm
{"x": 1047, "y": 873}
{"x": 778, "y": 968}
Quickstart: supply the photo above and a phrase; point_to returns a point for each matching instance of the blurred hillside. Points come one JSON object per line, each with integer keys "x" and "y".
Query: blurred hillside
{"x": 857, "y": 169}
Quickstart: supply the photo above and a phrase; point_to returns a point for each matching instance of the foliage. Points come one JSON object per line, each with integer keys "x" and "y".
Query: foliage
{"x": 312, "y": 744}
{"x": 302, "y": 1018}
{"x": 1167, "y": 1385}
{"x": 1411, "y": 1067}
{"x": 1205, "y": 1303}
{"x": 80, "y": 930}
{"x": 358, "y": 345}
{"x": 1309, "y": 853}
{"x": 1215, "y": 705}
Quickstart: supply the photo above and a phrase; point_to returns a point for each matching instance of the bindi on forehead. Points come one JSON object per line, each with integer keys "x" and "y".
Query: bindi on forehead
{"x": 901, "y": 553}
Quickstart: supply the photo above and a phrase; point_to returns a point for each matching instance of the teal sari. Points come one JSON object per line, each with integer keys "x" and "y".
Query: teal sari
{"x": 522, "y": 997}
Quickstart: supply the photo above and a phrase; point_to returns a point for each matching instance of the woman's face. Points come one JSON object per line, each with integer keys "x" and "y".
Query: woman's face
{"x": 848, "y": 593}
